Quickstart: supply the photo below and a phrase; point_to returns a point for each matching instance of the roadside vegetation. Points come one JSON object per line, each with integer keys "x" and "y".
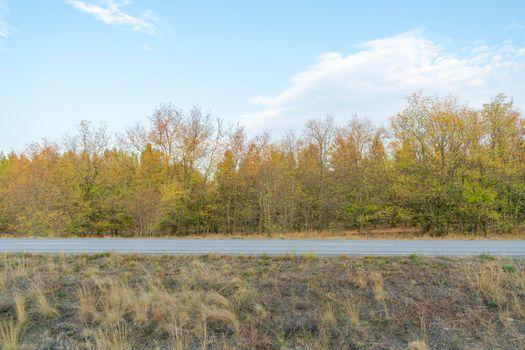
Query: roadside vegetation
{"x": 440, "y": 167}
{"x": 118, "y": 302}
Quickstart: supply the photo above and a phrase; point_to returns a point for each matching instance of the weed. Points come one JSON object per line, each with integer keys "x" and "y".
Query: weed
{"x": 91, "y": 272}
{"x": 491, "y": 303}
{"x": 414, "y": 258}
{"x": 486, "y": 257}
{"x": 310, "y": 256}
{"x": 369, "y": 259}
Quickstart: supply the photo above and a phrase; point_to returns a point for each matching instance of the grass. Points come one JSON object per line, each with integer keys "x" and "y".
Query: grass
{"x": 499, "y": 286}
{"x": 86, "y": 303}
{"x": 390, "y": 233}
{"x": 140, "y": 307}
{"x": 2, "y": 280}
{"x": 417, "y": 345}
{"x": 118, "y": 302}
{"x": 379, "y": 293}
{"x": 352, "y": 314}
{"x": 114, "y": 339}
{"x": 9, "y": 335}
{"x": 42, "y": 303}
{"x": 20, "y": 308}
{"x": 221, "y": 319}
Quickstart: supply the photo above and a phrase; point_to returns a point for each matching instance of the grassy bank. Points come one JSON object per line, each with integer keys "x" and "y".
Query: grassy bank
{"x": 402, "y": 233}
{"x": 168, "y": 302}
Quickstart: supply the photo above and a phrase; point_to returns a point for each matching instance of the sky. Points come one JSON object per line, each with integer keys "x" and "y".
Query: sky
{"x": 268, "y": 65}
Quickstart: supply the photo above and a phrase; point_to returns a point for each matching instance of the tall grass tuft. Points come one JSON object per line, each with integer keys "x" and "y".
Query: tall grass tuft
{"x": 20, "y": 308}
{"x": 42, "y": 303}
{"x": 113, "y": 339}
{"x": 9, "y": 335}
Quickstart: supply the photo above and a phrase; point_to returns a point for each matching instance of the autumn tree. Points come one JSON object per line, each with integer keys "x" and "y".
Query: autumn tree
{"x": 440, "y": 166}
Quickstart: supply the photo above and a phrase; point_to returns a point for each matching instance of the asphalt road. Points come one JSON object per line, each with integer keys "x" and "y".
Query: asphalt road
{"x": 270, "y": 247}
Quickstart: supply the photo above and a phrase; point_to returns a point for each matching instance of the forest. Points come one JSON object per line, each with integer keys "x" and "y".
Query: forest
{"x": 439, "y": 166}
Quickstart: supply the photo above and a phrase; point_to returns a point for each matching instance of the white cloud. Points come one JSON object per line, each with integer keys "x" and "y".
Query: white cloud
{"x": 148, "y": 48}
{"x": 111, "y": 12}
{"x": 374, "y": 81}
{"x": 4, "y": 27}
{"x": 4, "y": 30}
{"x": 516, "y": 26}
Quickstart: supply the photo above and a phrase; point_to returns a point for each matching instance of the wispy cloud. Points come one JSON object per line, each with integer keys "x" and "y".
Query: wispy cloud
{"x": 516, "y": 26}
{"x": 374, "y": 80}
{"x": 4, "y": 30}
{"x": 112, "y": 12}
{"x": 148, "y": 48}
{"x": 4, "y": 27}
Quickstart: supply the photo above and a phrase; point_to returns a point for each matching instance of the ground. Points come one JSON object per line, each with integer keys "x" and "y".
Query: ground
{"x": 109, "y": 301}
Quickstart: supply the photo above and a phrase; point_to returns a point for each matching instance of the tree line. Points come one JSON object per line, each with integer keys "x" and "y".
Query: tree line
{"x": 440, "y": 166}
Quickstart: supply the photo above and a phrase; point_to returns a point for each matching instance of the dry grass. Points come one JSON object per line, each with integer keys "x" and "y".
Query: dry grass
{"x": 20, "y": 308}
{"x": 9, "y": 335}
{"x": 115, "y": 299}
{"x": 221, "y": 319}
{"x": 396, "y": 233}
{"x": 86, "y": 303}
{"x": 379, "y": 292}
{"x": 353, "y": 314}
{"x": 2, "y": 280}
{"x": 178, "y": 337}
{"x": 114, "y": 339}
{"x": 501, "y": 285}
{"x": 42, "y": 303}
{"x": 216, "y": 302}
{"x": 19, "y": 267}
{"x": 417, "y": 345}
{"x": 140, "y": 307}
{"x": 52, "y": 272}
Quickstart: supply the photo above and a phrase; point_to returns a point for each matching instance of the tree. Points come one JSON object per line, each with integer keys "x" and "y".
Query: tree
{"x": 319, "y": 136}
{"x": 440, "y": 166}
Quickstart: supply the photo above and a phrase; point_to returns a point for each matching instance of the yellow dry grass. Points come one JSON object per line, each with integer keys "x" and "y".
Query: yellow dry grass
{"x": 42, "y": 303}
{"x": 401, "y": 233}
{"x": 353, "y": 314}
{"x": 113, "y": 339}
{"x": 3, "y": 279}
{"x": 20, "y": 308}
{"x": 417, "y": 345}
{"x": 116, "y": 298}
{"x": 222, "y": 318}
{"x": 500, "y": 284}
{"x": 247, "y": 302}
{"x": 86, "y": 303}
{"x": 9, "y": 335}
{"x": 379, "y": 292}
{"x": 140, "y": 307}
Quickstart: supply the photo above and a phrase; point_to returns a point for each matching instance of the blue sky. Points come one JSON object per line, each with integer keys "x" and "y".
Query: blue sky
{"x": 265, "y": 64}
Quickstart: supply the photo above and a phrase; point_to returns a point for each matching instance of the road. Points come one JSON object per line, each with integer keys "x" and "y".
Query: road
{"x": 270, "y": 247}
